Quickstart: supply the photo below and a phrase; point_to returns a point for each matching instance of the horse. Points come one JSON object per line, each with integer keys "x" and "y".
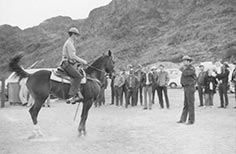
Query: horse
{"x": 40, "y": 86}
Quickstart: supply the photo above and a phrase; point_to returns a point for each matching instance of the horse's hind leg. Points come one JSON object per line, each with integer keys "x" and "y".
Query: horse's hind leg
{"x": 86, "y": 106}
{"x": 34, "y": 110}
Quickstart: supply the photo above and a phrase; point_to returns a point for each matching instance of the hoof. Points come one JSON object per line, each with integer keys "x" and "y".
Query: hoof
{"x": 32, "y": 136}
{"x": 85, "y": 133}
{"x": 82, "y": 133}
{"x": 35, "y": 136}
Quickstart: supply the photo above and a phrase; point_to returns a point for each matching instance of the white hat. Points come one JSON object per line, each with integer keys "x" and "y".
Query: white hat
{"x": 74, "y": 30}
{"x": 153, "y": 67}
{"x": 186, "y": 57}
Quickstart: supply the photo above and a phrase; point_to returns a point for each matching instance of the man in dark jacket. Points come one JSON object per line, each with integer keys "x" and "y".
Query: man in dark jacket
{"x": 131, "y": 84}
{"x": 188, "y": 81}
{"x": 200, "y": 84}
{"x": 154, "y": 85}
{"x": 223, "y": 85}
{"x": 233, "y": 79}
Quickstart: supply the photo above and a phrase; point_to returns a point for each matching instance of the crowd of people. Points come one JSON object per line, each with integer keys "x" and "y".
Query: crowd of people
{"x": 132, "y": 84}
{"x": 209, "y": 79}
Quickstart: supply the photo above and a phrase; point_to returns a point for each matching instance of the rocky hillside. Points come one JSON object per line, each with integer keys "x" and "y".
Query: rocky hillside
{"x": 137, "y": 31}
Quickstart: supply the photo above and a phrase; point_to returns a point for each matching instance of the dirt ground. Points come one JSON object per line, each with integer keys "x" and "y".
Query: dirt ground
{"x": 117, "y": 130}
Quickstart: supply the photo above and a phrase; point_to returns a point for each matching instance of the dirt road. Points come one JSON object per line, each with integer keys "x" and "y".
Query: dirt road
{"x": 116, "y": 130}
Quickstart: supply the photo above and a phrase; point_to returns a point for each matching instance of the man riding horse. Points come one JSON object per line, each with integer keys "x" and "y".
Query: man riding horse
{"x": 70, "y": 63}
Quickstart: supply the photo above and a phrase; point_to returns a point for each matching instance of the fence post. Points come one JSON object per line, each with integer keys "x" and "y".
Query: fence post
{"x": 3, "y": 93}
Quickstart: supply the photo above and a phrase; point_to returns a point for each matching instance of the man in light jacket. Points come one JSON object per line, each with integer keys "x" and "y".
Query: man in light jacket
{"x": 162, "y": 83}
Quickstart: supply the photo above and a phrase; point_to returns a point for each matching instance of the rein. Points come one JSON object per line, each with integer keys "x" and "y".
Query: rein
{"x": 97, "y": 69}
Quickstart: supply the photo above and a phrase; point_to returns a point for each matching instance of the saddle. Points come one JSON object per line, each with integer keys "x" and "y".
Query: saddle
{"x": 60, "y": 75}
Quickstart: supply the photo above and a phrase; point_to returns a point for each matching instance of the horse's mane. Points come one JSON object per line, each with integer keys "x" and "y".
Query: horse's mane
{"x": 96, "y": 64}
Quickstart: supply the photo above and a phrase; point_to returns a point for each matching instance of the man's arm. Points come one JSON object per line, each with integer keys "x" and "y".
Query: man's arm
{"x": 223, "y": 75}
{"x": 71, "y": 51}
{"x": 167, "y": 78}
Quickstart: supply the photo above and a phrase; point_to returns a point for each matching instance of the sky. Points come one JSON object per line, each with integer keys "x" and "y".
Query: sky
{"x": 29, "y": 13}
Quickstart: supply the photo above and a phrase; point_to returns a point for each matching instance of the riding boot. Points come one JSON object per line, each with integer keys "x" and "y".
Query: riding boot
{"x": 79, "y": 98}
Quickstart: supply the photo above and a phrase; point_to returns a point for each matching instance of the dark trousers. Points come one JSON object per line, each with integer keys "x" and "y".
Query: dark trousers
{"x": 235, "y": 89}
{"x": 154, "y": 89}
{"x": 112, "y": 94}
{"x": 160, "y": 90}
{"x": 200, "y": 94}
{"x": 119, "y": 95}
{"x": 140, "y": 92}
{"x": 131, "y": 94}
{"x": 76, "y": 77}
{"x": 223, "y": 94}
{"x": 188, "y": 109}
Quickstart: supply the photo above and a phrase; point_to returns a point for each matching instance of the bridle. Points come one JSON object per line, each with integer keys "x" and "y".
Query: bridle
{"x": 100, "y": 70}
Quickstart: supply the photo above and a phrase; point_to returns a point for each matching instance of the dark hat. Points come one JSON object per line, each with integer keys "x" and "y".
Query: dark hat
{"x": 130, "y": 66}
{"x": 186, "y": 57}
{"x": 201, "y": 65}
{"x": 140, "y": 66}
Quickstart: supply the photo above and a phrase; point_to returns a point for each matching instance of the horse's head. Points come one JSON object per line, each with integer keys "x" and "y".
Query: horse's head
{"x": 108, "y": 63}
{"x": 103, "y": 63}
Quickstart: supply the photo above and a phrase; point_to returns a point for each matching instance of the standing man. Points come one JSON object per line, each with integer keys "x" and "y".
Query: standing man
{"x": 148, "y": 81}
{"x": 162, "y": 83}
{"x": 139, "y": 73}
{"x": 233, "y": 79}
{"x": 131, "y": 84}
{"x": 223, "y": 85}
{"x": 118, "y": 85}
{"x": 200, "y": 84}
{"x": 154, "y": 85}
{"x": 188, "y": 81}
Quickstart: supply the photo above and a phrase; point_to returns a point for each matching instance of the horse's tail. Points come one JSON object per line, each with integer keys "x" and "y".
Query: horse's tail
{"x": 15, "y": 67}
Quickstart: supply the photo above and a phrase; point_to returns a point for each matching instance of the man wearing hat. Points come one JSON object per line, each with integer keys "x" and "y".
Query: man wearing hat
{"x": 154, "y": 85}
{"x": 119, "y": 81}
{"x": 223, "y": 85}
{"x": 188, "y": 81}
{"x": 139, "y": 73}
{"x": 131, "y": 86}
{"x": 200, "y": 83}
{"x": 69, "y": 64}
{"x": 233, "y": 79}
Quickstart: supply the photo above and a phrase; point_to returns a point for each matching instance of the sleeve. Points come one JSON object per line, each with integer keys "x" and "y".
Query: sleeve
{"x": 167, "y": 78}
{"x": 233, "y": 75}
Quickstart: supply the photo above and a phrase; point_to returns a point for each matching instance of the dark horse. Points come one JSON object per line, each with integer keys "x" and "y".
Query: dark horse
{"x": 40, "y": 86}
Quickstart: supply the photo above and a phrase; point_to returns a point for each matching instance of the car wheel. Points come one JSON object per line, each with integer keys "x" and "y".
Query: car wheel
{"x": 173, "y": 85}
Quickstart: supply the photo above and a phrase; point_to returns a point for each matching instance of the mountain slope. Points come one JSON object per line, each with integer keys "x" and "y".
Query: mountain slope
{"x": 137, "y": 31}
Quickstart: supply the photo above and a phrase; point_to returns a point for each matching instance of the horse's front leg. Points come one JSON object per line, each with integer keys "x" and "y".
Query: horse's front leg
{"x": 82, "y": 128}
